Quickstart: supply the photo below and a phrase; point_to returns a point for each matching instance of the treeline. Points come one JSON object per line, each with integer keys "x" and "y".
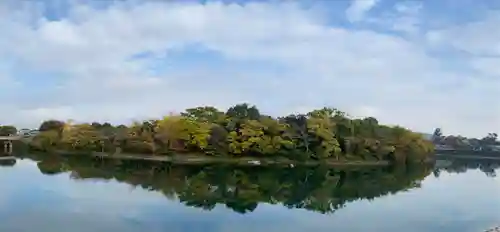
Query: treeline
{"x": 487, "y": 143}
{"x": 242, "y": 131}
{"x": 242, "y": 189}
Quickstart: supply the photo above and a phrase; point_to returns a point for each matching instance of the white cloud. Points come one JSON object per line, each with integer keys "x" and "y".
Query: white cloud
{"x": 407, "y": 17}
{"x": 404, "y": 17}
{"x": 477, "y": 37}
{"x": 103, "y": 65}
{"x": 487, "y": 65}
{"x": 358, "y": 9}
{"x": 49, "y": 113}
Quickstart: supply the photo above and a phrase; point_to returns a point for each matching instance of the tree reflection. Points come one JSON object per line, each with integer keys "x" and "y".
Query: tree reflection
{"x": 8, "y": 162}
{"x": 241, "y": 189}
{"x": 487, "y": 166}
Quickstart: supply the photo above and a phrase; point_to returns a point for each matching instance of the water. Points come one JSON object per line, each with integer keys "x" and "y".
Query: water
{"x": 74, "y": 195}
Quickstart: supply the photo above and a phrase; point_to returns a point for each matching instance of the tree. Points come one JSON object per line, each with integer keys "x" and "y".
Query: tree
{"x": 51, "y": 125}
{"x": 437, "y": 136}
{"x": 83, "y": 137}
{"x": 490, "y": 139}
{"x": 138, "y": 138}
{"x": 96, "y": 125}
{"x": 457, "y": 142}
{"x": 121, "y": 126}
{"x": 217, "y": 138}
{"x": 8, "y": 130}
{"x": 321, "y": 128}
{"x": 243, "y": 111}
{"x": 257, "y": 137}
{"x": 297, "y": 132}
{"x": 46, "y": 140}
{"x": 172, "y": 132}
{"x": 325, "y": 133}
{"x": 204, "y": 114}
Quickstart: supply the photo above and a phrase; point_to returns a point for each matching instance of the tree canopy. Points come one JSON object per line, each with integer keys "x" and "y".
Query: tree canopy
{"x": 242, "y": 130}
{"x": 8, "y": 130}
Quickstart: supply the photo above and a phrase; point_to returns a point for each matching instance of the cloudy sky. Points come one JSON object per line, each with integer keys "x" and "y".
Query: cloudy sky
{"x": 420, "y": 64}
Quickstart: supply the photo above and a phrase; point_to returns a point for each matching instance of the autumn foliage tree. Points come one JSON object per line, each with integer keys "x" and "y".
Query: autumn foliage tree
{"x": 322, "y": 134}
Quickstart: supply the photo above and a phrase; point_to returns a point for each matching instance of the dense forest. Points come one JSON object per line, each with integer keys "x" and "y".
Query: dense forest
{"x": 242, "y": 189}
{"x": 241, "y": 131}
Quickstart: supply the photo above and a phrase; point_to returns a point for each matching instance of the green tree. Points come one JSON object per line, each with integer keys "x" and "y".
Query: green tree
{"x": 51, "y": 125}
{"x": 208, "y": 114}
{"x": 83, "y": 137}
{"x": 297, "y": 132}
{"x": 243, "y": 111}
{"x": 8, "y": 130}
{"x": 321, "y": 128}
{"x": 321, "y": 134}
{"x": 46, "y": 140}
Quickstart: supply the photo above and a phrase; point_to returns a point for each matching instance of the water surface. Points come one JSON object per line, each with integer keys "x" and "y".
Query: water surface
{"x": 73, "y": 195}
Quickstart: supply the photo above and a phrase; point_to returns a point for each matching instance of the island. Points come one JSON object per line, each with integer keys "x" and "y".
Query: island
{"x": 241, "y": 134}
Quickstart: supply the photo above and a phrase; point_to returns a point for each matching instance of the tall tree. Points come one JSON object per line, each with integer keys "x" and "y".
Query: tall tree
{"x": 243, "y": 111}
{"x": 51, "y": 125}
{"x": 437, "y": 136}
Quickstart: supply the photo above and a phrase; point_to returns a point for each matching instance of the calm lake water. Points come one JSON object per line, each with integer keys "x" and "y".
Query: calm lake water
{"x": 80, "y": 194}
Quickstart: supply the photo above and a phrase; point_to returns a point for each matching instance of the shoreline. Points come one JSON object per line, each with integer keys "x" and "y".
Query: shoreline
{"x": 200, "y": 160}
{"x": 465, "y": 156}
{"x": 469, "y": 152}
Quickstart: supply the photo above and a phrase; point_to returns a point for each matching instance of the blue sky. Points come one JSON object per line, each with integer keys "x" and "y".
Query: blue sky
{"x": 420, "y": 64}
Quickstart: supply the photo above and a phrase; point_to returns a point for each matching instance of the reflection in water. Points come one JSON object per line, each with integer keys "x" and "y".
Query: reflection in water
{"x": 487, "y": 166}
{"x": 241, "y": 189}
{"x": 8, "y": 162}
{"x": 32, "y": 201}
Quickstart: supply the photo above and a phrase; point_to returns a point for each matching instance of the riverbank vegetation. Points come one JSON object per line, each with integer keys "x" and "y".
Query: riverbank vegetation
{"x": 242, "y": 131}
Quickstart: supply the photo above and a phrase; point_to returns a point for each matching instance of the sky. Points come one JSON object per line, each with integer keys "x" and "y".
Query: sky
{"x": 419, "y": 64}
